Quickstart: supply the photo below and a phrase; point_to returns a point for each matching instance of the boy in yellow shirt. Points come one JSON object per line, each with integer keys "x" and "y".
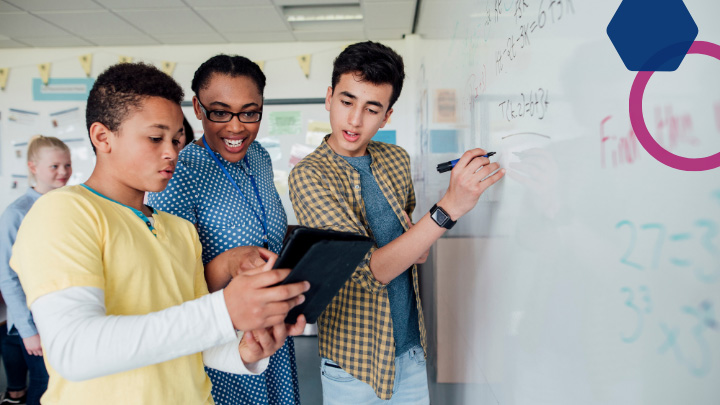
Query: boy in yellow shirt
{"x": 117, "y": 288}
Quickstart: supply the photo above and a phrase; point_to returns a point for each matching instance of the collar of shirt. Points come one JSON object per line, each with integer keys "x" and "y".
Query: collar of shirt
{"x": 31, "y": 192}
{"x": 328, "y": 152}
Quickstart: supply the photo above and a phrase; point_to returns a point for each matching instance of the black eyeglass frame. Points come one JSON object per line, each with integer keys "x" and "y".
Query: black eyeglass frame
{"x": 232, "y": 114}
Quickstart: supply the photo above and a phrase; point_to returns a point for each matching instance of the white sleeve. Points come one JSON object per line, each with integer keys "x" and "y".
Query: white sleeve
{"x": 82, "y": 342}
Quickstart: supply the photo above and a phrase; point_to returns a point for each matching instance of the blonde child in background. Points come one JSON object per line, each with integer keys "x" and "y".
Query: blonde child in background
{"x": 49, "y": 165}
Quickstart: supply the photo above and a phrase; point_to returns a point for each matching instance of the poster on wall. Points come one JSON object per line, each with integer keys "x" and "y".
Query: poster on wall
{"x": 445, "y": 106}
{"x": 62, "y": 89}
{"x": 316, "y": 131}
{"x": 285, "y": 123}
{"x": 386, "y": 136}
{"x": 21, "y": 126}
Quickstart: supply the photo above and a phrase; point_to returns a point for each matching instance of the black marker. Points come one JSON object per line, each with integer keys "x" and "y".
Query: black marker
{"x": 447, "y": 166}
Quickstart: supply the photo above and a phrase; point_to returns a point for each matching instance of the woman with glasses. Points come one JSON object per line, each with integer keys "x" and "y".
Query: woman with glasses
{"x": 223, "y": 183}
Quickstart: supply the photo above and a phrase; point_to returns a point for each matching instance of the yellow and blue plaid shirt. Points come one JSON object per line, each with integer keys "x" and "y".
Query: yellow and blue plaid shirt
{"x": 356, "y": 330}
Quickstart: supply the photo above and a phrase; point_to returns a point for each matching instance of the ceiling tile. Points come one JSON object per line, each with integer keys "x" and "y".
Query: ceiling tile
{"x": 243, "y": 19}
{"x": 313, "y": 2}
{"x": 441, "y": 15}
{"x": 391, "y": 14}
{"x": 56, "y": 5}
{"x": 168, "y": 21}
{"x": 123, "y": 40}
{"x": 9, "y": 43}
{"x": 7, "y": 7}
{"x": 55, "y": 41}
{"x": 182, "y": 39}
{"x": 27, "y": 26}
{"x": 140, "y": 4}
{"x": 91, "y": 23}
{"x": 280, "y": 36}
{"x": 326, "y": 26}
{"x": 329, "y": 35}
{"x": 228, "y": 3}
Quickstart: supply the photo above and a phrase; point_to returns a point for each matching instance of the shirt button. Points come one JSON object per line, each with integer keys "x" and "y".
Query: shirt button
{"x": 357, "y": 187}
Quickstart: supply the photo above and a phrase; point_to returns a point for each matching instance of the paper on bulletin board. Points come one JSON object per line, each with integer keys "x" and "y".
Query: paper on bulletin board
{"x": 444, "y": 141}
{"x": 23, "y": 125}
{"x": 272, "y": 146}
{"x": 316, "y": 131}
{"x": 297, "y": 152}
{"x": 386, "y": 136}
{"x": 445, "y": 106}
{"x": 285, "y": 123}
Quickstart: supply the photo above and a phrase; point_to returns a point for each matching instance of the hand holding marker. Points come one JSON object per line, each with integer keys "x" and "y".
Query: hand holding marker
{"x": 447, "y": 166}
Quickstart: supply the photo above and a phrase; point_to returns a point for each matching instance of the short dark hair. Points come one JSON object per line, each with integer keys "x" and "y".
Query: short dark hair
{"x": 124, "y": 86}
{"x": 374, "y": 63}
{"x": 231, "y": 65}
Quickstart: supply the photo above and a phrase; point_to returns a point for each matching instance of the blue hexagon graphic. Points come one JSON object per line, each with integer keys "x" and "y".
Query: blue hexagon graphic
{"x": 652, "y": 35}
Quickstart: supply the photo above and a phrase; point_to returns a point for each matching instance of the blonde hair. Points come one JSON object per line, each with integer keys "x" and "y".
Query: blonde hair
{"x": 38, "y": 142}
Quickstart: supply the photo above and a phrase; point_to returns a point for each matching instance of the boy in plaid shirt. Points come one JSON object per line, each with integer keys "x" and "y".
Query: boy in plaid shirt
{"x": 373, "y": 333}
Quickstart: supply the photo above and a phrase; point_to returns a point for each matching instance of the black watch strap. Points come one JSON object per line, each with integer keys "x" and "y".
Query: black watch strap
{"x": 441, "y": 217}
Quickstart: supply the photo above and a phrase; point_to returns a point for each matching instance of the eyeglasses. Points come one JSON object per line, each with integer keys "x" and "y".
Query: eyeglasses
{"x": 247, "y": 117}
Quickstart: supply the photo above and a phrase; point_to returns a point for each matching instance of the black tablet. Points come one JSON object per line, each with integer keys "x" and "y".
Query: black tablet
{"x": 324, "y": 258}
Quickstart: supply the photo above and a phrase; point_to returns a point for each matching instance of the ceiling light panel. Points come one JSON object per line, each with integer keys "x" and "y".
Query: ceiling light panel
{"x": 340, "y": 12}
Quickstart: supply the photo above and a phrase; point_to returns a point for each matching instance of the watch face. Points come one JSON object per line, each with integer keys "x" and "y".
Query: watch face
{"x": 439, "y": 217}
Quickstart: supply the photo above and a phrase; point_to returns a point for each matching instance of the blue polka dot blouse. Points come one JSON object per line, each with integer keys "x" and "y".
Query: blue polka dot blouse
{"x": 200, "y": 193}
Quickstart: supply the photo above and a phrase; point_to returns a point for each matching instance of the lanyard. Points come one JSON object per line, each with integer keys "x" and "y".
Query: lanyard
{"x": 263, "y": 219}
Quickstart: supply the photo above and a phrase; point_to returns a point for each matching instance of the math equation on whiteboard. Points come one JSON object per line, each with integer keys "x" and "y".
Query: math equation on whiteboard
{"x": 533, "y": 104}
{"x": 692, "y": 252}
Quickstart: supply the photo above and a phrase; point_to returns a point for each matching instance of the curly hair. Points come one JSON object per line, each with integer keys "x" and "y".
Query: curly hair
{"x": 230, "y": 65}
{"x": 124, "y": 86}
{"x": 374, "y": 63}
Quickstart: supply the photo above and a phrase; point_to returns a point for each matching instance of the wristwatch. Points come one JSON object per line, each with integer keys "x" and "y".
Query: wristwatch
{"x": 441, "y": 217}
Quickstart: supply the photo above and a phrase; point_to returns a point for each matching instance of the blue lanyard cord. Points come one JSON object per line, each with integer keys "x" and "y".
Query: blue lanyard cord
{"x": 263, "y": 219}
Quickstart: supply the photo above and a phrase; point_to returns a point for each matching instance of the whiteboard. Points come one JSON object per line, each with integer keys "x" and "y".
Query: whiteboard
{"x": 591, "y": 273}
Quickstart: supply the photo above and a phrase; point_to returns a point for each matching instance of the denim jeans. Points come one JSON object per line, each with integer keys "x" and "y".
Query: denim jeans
{"x": 18, "y": 362}
{"x": 13, "y": 360}
{"x": 411, "y": 386}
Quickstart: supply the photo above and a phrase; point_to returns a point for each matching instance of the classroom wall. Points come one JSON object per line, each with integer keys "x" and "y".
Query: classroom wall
{"x": 285, "y": 80}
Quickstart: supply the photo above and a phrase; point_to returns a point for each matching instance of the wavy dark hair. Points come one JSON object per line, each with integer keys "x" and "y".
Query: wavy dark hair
{"x": 374, "y": 63}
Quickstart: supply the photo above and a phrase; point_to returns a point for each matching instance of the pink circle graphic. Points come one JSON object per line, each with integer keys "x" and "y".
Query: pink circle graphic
{"x": 646, "y": 139}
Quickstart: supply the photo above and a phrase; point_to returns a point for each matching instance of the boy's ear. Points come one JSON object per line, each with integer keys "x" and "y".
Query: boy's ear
{"x": 100, "y": 137}
{"x": 387, "y": 117}
{"x": 196, "y": 108}
{"x": 328, "y": 98}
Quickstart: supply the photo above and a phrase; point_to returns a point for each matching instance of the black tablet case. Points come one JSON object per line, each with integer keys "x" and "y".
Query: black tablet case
{"x": 324, "y": 258}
